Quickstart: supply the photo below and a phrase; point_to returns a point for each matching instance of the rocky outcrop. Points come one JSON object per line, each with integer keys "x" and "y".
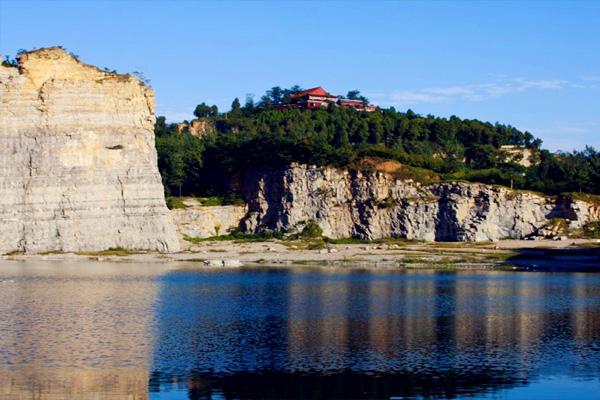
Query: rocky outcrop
{"x": 200, "y": 221}
{"x": 78, "y": 164}
{"x": 521, "y": 155}
{"x": 371, "y": 205}
{"x": 197, "y": 127}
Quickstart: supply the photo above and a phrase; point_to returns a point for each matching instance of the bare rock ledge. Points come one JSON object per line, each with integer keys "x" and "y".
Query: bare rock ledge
{"x": 373, "y": 205}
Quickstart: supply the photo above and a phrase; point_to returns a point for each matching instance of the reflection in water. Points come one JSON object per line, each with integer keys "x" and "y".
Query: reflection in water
{"x": 268, "y": 333}
{"x": 75, "y": 331}
{"x": 133, "y": 331}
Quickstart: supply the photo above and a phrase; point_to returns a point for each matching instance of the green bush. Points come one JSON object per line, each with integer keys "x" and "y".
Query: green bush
{"x": 388, "y": 202}
{"x": 237, "y": 236}
{"x": 175, "y": 203}
{"x": 212, "y": 201}
{"x": 588, "y": 198}
{"x": 224, "y": 200}
{"x": 346, "y": 241}
{"x": 311, "y": 230}
{"x": 592, "y": 229}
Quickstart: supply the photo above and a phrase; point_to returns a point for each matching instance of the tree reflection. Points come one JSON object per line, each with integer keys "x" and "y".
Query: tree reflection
{"x": 303, "y": 333}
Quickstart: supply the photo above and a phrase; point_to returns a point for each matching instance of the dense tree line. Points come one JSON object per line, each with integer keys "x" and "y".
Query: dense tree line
{"x": 179, "y": 159}
{"x": 259, "y": 134}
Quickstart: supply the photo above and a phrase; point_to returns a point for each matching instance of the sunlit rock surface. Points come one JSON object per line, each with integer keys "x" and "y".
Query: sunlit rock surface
{"x": 372, "y": 205}
{"x": 200, "y": 221}
{"x": 78, "y": 164}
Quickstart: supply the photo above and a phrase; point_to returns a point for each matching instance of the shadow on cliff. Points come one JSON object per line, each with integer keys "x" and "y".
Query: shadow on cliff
{"x": 571, "y": 259}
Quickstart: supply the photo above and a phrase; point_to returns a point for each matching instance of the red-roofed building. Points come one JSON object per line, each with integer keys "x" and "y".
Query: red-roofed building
{"x": 313, "y": 98}
{"x": 350, "y": 103}
{"x": 318, "y": 97}
{"x": 358, "y": 105}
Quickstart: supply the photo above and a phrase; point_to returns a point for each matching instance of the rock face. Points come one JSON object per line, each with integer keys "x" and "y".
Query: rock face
{"x": 78, "y": 164}
{"x": 201, "y": 221}
{"x": 374, "y": 205}
{"x": 197, "y": 127}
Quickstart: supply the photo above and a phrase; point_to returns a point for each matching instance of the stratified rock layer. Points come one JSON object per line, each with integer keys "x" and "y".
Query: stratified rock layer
{"x": 374, "y": 205}
{"x": 200, "y": 221}
{"x": 78, "y": 165}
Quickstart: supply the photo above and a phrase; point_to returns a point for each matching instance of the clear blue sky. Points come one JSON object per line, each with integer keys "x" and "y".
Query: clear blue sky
{"x": 535, "y": 65}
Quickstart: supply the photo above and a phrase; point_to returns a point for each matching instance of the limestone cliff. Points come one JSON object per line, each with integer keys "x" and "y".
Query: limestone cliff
{"x": 78, "y": 164}
{"x": 371, "y": 205}
{"x": 200, "y": 221}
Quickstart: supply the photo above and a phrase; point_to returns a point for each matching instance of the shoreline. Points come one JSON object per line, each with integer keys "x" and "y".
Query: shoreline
{"x": 544, "y": 255}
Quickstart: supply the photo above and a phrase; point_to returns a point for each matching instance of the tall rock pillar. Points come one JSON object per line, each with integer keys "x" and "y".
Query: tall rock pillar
{"x": 78, "y": 167}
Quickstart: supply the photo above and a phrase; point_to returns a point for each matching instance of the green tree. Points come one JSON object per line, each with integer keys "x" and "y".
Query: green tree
{"x": 160, "y": 127}
{"x": 236, "y": 109}
{"x": 236, "y": 105}
{"x": 264, "y": 136}
{"x": 249, "y": 105}
{"x": 203, "y": 111}
{"x": 353, "y": 95}
{"x": 171, "y": 163}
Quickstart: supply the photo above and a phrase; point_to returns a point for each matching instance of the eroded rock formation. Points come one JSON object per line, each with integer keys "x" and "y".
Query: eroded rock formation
{"x": 200, "y": 221}
{"x": 371, "y": 205}
{"x": 78, "y": 164}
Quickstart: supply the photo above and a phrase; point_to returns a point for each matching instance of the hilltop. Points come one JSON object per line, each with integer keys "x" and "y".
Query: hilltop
{"x": 206, "y": 155}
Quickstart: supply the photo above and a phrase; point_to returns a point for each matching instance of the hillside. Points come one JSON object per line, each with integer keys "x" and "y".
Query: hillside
{"x": 208, "y": 160}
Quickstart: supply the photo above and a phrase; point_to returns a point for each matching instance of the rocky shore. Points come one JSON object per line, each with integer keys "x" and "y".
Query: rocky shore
{"x": 572, "y": 255}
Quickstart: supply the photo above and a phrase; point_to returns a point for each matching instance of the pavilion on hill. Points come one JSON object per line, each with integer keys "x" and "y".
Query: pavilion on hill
{"x": 313, "y": 98}
{"x": 318, "y": 97}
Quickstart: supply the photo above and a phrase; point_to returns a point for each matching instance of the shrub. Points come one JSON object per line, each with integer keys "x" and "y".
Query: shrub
{"x": 111, "y": 251}
{"x": 592, "y": 229}
{"x": 388, "y": 202}
{"x": 225, "y": 200}
{"x": 212, "y": 201}
{"x": 237, "y": 236}
{"x": 175, "y": 203}
{"x": 588, "y": 198}
{"x": 311, "y": 230}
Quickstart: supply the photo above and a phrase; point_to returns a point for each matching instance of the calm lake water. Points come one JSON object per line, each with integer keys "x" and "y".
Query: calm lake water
{"x": 129, "y": 331}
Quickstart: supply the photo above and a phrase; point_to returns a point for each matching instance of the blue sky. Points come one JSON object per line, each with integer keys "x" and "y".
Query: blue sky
{"x": 534, "y": 65}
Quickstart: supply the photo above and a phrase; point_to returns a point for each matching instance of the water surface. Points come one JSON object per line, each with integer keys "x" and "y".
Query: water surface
{"x": 101, "y": 330}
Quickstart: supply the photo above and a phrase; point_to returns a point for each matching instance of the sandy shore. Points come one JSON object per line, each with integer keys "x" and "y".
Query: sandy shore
{"x": 572, "y": 254}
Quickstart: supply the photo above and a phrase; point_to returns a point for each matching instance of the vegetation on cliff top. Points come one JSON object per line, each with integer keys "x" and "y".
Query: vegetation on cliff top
{"x": 259, "y": 135}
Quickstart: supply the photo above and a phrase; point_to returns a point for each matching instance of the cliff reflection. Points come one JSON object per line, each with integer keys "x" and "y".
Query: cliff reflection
{"x": 73, "y": 331}
{"x": 355, "y": 334}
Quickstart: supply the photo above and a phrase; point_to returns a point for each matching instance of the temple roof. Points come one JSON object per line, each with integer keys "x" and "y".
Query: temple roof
{"x": 317, "y": 91}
